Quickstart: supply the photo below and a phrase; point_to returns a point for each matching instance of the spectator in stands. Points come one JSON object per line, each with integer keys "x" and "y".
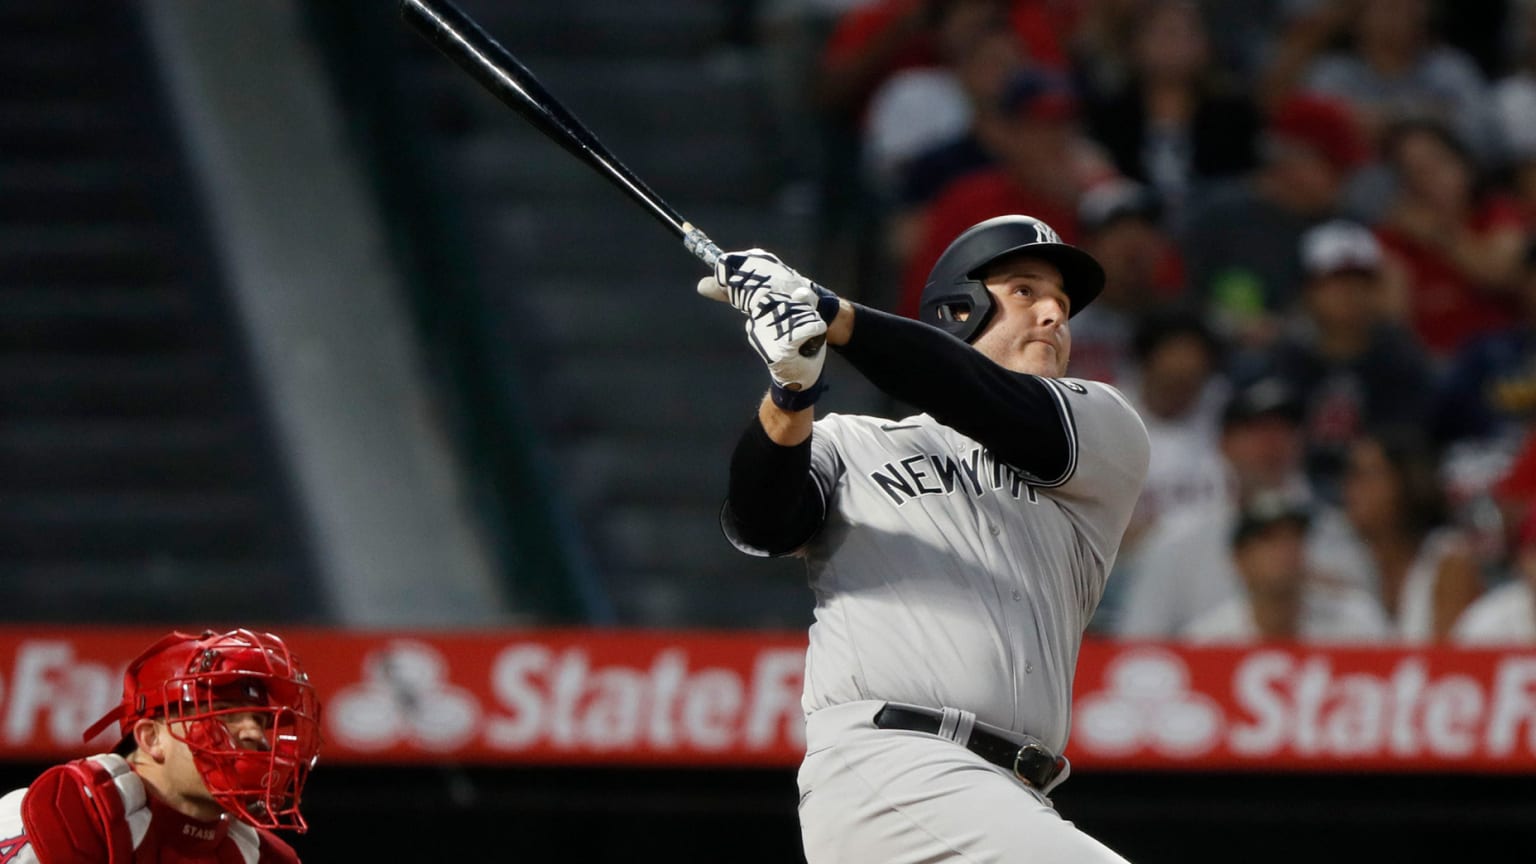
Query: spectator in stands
{"x": 1506, "y": 615}
{"x": 1488, "y": 393}
{"x": 935, "y": 107}
{"x": 1175, "y": 124}
{"x": 1241, "y": 245}
{"x": 1044, "y": 166}
{"x": 1461, "y": 249}
{"x": 1514, "y": 106}
{"x": 1491, "y": 487}
{"x": 1355, "y": 367}
{"x": 1281, "y": 599}
{"x": 982, "y": 70}
{"x": 1121, "y": 226}
{"x": 875, "y": 40}
{"x": 1392, "y": 66}
{"x": 790, "y": 37}
{"x": 1424, "y": 568}
{"x": 1185, "y": 566}
{"x": 1100, "y": 44}
{"x": 1243, "y": 36}
{"x": 870, "y": 43}
{"x": 1179, "y": 394}
{"x": 1515, "y": 490}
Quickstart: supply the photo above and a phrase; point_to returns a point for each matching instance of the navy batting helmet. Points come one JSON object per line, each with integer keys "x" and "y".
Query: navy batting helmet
{"x": 955, "y": 301}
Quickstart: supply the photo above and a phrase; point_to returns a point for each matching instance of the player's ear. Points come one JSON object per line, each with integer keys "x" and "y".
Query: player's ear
{"x": 149, "y": 738}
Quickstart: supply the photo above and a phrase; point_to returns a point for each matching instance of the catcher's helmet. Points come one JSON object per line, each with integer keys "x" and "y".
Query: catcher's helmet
{"x": 954, "y": 290}
{"x": 196, "y": 684}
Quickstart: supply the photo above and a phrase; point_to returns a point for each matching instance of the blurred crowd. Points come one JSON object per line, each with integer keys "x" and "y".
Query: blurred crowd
{"x": 1318, "y": 221}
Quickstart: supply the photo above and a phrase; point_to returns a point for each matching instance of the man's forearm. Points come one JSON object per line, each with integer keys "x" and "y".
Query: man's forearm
{"x": 785, "y": 428}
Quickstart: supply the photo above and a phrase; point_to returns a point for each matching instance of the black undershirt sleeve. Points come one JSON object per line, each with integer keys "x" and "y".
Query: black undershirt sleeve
{"x": 773, "y": 501}
{"x": 1016, "y": 416}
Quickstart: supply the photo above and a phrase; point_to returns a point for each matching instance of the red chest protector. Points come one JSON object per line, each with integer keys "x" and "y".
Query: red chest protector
{"x": 97, "y": 811}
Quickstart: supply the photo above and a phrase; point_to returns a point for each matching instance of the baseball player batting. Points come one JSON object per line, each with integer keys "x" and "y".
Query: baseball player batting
{"x": 218, "y": 734}
{"x": 956, "y": 555}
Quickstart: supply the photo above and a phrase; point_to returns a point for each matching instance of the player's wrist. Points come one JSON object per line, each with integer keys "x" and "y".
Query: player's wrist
{"x": 797, "y": 400}
{"x": 827, "y": 304}
{"x": 840, "y": 328}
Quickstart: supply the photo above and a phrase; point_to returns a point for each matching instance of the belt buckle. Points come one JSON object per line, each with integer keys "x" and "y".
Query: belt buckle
{"x": 1034, "y": 764}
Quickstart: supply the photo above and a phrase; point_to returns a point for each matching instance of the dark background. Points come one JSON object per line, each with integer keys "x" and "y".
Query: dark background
{"x": 507, "y": 814}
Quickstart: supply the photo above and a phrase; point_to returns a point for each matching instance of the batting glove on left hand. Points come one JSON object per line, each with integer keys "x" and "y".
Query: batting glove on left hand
{"x": 792, "y": 340}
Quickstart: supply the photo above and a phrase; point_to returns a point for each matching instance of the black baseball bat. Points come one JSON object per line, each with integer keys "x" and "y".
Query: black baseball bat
{"x": 458, "y": 36}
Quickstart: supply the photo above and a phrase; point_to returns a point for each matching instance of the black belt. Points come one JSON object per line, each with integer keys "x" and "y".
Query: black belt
{"x": 1031, "y": 762}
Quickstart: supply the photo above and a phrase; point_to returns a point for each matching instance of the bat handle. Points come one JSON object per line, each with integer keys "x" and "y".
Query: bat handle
{"x": 700, "y": 245}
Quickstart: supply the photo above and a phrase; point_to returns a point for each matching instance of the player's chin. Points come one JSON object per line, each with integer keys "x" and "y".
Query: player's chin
{"x": 1038, "y": 358}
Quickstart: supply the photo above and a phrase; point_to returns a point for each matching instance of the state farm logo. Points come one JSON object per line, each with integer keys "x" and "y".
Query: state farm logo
{"x": 1288, "y": 706}
{"x": 405, "y": 695}
{"x": 565, "y": 700}
{"x": 541, "y": 698}
{"x": 1308, "y": 707}
{"x": 1148, "y": 704}
{"x": 54, "y": 693}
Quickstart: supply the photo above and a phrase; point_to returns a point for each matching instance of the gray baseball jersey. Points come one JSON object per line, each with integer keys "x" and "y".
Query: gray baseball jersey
{"x": 946, "y": 578}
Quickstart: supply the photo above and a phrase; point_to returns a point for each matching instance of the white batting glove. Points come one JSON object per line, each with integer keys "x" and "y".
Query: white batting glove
{"x": 741, "y": 276}
{"x": 790, "y": 337}
{"x": 787, "y": 317}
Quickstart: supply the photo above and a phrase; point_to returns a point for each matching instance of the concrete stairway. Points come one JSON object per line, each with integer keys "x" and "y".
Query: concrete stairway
{"x": 138, "y": 482}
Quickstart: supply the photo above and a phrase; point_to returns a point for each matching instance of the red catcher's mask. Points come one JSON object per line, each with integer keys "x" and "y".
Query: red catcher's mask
{"x": 244, "y": 707}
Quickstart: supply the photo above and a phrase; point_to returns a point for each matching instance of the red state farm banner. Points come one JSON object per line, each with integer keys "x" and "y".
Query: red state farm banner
{"x": 1166, "y": 707}
{"x": 687, "y": 698}
{"x": 548, "y": 696}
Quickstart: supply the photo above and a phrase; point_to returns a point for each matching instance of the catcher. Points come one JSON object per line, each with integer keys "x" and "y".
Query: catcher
{"x": 218, "y": 735}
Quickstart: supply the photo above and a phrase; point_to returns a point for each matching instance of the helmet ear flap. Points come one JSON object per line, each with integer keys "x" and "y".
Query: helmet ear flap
{"x": 962, "y": 311}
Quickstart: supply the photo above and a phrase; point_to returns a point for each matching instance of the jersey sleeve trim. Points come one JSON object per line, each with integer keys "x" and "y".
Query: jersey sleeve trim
{"x": 1069, "y": 428}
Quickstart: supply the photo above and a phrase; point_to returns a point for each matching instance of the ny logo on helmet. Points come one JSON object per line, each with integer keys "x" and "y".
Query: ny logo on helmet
{"x": 1044, "y": 234}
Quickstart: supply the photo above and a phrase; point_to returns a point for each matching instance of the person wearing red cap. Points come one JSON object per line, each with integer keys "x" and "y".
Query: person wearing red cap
{"x": 1242, "y": 244}
{"x": 218, "y": 734}
{"x": 1507, "y": 614}
{"x": 1044, "y": 165}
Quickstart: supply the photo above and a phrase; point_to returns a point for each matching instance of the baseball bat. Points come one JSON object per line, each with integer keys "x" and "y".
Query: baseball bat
{"x": 455, "y": 34}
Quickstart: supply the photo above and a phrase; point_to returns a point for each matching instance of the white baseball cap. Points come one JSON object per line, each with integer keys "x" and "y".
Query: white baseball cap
{"x": 1340, "y": 246}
